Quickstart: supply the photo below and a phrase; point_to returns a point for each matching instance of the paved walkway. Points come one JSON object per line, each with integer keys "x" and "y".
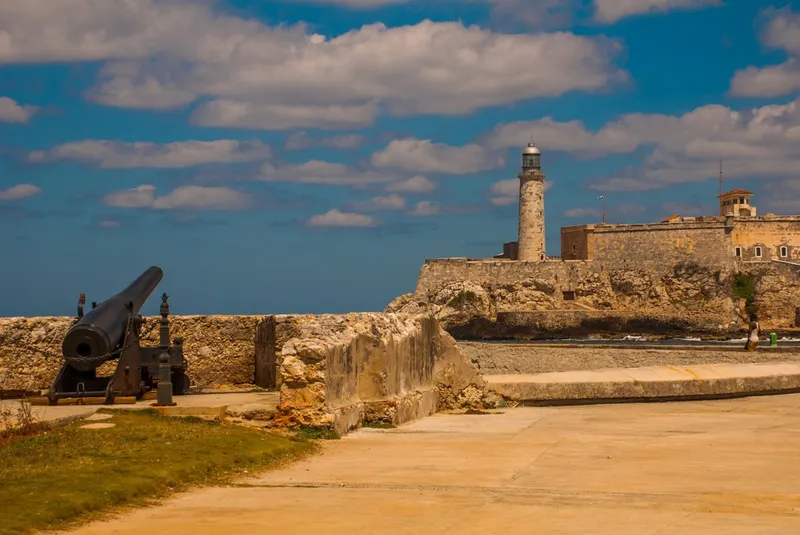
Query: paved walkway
{"x": 711, "y": 467}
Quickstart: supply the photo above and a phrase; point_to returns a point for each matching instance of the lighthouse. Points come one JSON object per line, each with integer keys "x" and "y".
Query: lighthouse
{"x": 531, "y": 206}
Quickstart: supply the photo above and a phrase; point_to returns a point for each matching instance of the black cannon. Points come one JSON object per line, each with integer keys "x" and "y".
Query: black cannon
{"x": 112, "y": 331}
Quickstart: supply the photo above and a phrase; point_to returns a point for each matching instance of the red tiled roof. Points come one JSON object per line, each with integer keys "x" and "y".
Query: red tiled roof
{"x": 670, "y": 218}
{"x": 735, "y": 192}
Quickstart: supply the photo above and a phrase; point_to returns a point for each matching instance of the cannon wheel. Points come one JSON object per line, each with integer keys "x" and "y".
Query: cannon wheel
{"x": 180, "y": 383}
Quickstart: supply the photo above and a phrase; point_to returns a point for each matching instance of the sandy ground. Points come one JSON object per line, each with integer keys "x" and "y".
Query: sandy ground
{"x": 502, "y": 359}
{"x": 706, "y": 468}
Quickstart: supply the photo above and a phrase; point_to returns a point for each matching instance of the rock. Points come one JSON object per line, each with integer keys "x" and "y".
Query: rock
{"x": 98, "y": 426}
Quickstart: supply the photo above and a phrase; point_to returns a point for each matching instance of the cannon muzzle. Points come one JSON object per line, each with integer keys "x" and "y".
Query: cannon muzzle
{"x": 99, "y": 333}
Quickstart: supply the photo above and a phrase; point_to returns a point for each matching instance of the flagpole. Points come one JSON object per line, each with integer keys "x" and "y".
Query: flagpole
{"x": 603, "y": 198}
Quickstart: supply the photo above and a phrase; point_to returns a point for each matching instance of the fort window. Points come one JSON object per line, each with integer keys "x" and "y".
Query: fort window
{"x": 784, "y": 252}
{"x": 739, "y": 252}
{"x": 758, "y": 252}
{"x": 569, "y": 295}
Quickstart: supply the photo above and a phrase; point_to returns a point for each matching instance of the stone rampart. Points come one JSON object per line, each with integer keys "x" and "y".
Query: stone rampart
{"x": 526, "y": 358}
{"x": 341, "y": 371}
{"x": 335, "y": 371}
{"x": 655, "y": 245}
{"x": 218, "y": 349}
{"x": 469, "y": 296}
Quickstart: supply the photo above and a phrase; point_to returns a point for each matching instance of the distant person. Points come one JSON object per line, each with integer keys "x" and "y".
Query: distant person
{"x": 752, "y": 337}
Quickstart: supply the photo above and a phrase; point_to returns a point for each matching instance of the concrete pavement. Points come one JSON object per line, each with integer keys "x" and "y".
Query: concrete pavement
{"x": 711, "y": 467}
{"x": 650, "y": 382}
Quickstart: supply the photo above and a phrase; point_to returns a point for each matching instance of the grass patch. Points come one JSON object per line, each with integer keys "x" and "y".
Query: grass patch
{"x": 744, "y": 287}
{"x": 68, "y": 473}
{"x": 315, "y": 433}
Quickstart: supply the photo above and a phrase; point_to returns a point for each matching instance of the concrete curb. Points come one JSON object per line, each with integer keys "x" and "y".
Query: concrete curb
{"x": 653, "y": 383}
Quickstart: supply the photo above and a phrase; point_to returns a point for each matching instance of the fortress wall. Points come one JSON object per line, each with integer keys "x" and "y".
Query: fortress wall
{"x": 333, "y": 370}
{"x": 574, "y": 243}
{"x": 770, "y": 235}
{"x": 637, "y": 246}
{"x": 666, "y": 296}
{"x": 340, "y": 371}
{"x": 777, "y": 292}
{"x": 219, "y": 349}
{"x": 437, "y": 273}
{"x": 510, "y": 358}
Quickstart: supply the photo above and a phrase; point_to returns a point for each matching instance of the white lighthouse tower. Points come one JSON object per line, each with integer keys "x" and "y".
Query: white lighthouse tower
{"x": 531, "y": 206}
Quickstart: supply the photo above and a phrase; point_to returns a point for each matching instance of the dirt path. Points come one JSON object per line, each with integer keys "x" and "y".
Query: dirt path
{"x": 677, "y": 468}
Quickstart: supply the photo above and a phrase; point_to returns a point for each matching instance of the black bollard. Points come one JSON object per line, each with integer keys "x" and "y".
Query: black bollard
{"x": 164, "y": 372}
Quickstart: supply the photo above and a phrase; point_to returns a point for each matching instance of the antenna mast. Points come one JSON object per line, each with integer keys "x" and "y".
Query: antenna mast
{"x": 720, "y": 176}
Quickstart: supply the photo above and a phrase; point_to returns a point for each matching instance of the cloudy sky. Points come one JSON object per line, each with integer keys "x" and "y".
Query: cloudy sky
{"x": 308, "y": 155}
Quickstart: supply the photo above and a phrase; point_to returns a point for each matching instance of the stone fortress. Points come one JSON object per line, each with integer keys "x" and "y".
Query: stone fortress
{"x": 735, "y": 233}
{"x": 685, "y": 274}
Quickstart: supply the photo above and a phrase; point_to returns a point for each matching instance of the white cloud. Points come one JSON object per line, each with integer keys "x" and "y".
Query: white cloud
{"x": 538, "y": 13}
{"x": 320, "y": 172}
{"x": 753, "y": 143}
{"x": 168, "y": 54}
{"x": 781, "y": 197}
{"x": 19, "y": 192}
{"x": 423, "y": 156}
{"x": 569, "y": 136}
{"x": 781, "y": 32}
{"x": 425, "y": 208}
{"x": 181, "y": 198}
{"x": 581, "y": 213}
{"x": 687, "y": 209}
{"x": 379, "y": 204}
{"x": 415, "y": 184}
{"x": 120, "y": 155}
{"x": 263, "y": 116}
{"x": 11, "y": 112}
{"x": 301, "y": 140}
{"x": 619, "y": 210}
{"x": 358, "y": 4}
{"x": 335, "y": 218}
{"x": 609, "y": 11}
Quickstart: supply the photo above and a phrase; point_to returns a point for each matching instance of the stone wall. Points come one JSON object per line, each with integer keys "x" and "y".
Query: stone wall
{"x": 770, "y": 234}
{"x": 637, "y": 246}
{"x": 218, "y": 349}
{"x": 777, "y": 292}
{"x": 707, "y": 240}
{"x": 680, "y": 297}
{"x": 340, "y": 371}
{"x": 335, "y": 371}
{"x": 510, "y": 358}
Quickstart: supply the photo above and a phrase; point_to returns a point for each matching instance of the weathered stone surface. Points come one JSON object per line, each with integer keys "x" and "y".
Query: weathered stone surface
{"x": 685, "y": 296}
{"x": 30, "y": 351}
{"x": 340, "y": 371}
{"x": 701, "y": 381}
{"x": 509, "y": 359}
{"x": 335, "y": 371}
{"x": 218, "y": 349}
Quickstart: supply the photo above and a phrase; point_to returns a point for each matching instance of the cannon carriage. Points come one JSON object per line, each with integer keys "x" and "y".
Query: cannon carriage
{"x": 112, "y": 330}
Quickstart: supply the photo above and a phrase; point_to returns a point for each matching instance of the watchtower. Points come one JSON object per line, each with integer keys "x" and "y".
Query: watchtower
{"x": 736, "y": 203}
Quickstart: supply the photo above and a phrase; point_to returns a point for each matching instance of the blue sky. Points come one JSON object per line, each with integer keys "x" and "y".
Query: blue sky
{"x": 307, "y": 156}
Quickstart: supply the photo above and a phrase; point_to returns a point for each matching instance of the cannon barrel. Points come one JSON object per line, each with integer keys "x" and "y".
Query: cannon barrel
{"x": 88, "y": 343}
